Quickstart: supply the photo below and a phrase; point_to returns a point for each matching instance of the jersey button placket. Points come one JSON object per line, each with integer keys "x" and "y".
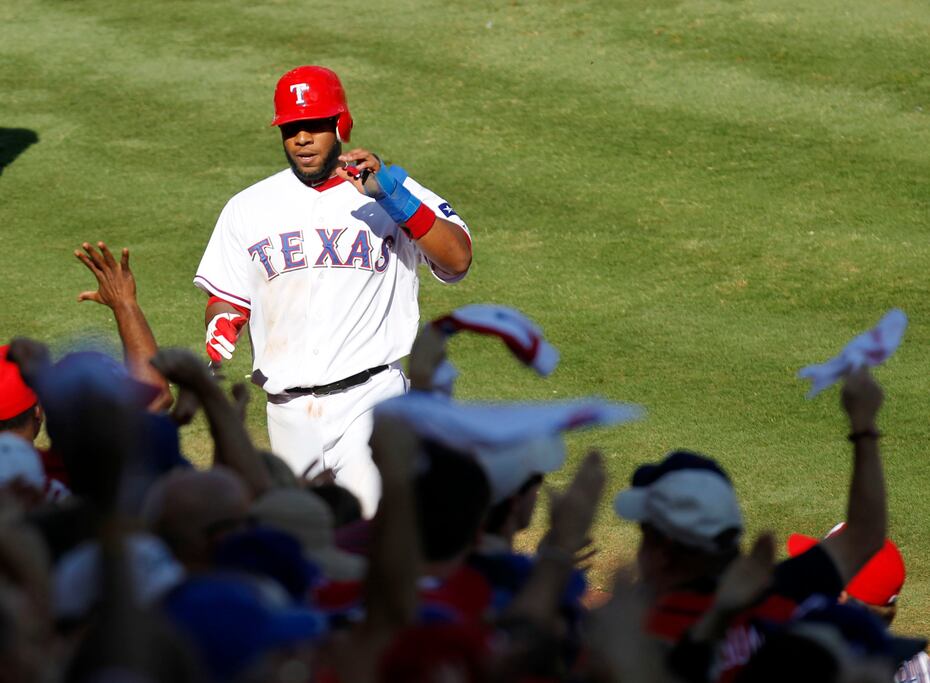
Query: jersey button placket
{"x": 312, "y": 211}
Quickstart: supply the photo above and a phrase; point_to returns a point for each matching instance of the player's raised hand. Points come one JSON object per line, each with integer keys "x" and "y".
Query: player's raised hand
{"x": 116, "y": 285}
{"x": 747, "y": 577}
{"x": 741, "y": 585}
{"x": 360, "y": 167}
{"x": 185, "y": 407}
{"x": 572, "y": 512}
{"x": 861, "y": 398}
{"x": 182, "y": 367}
{"x": 222, "y": 334}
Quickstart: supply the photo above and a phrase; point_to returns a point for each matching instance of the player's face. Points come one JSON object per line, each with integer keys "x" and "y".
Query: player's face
{"x": 311, "y": 148}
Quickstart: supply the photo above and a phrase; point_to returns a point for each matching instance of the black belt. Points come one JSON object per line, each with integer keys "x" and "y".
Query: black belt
{"x": 340, "y": 385}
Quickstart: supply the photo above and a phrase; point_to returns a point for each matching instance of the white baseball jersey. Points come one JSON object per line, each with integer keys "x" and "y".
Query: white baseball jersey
{"x": 329, "y": 278}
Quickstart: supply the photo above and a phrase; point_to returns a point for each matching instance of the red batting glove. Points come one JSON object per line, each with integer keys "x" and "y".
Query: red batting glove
{"x": 222, "y": 333}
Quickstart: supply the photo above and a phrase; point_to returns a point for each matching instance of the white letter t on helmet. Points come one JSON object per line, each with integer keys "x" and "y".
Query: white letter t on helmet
{"x": 300, "y": 89}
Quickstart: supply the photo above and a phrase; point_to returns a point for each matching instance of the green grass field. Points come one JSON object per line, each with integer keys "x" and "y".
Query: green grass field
{"x": 693, "y": 198}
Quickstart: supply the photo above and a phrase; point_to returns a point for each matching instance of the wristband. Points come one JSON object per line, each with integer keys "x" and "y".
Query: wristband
{"x": 395, "y": 199}
{"x": 864, "y": 434}
{"x": 420, "y": 223}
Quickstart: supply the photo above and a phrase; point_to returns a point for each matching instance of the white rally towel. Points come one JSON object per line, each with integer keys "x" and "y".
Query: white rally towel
{"x": 521, "y": 335}
{"x": 512, "y": 441}
{"x": 466, "y": 426}
{"x": 870, "y": 348}
{"x": 509, "y": 467}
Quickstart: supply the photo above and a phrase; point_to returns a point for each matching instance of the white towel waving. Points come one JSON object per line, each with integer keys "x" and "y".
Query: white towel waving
{"x": 519, "y": 333}
{"x": 469, "y": 426}
{"x": 867, "y": 349}
{"x": 511, "y": 441}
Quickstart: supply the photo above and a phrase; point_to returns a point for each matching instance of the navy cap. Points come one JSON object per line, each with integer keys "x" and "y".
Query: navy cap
{"x": 268, "y": 553}
{"x": 673, "y": 462}
{"x": 163, "y": 443}
{"x": 231, "y": 624}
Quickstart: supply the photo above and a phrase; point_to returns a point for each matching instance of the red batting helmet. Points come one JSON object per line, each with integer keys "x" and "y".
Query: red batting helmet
{"x": 312, "y": 92}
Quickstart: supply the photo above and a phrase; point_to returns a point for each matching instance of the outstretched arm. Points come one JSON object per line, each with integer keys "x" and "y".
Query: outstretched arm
{"x": 866, "y": 516}
{"x": 390, "y": 587}
{"x": 116, "y": 289}
{"x": 232, "y": 445}
{"x": 394, "y": 560}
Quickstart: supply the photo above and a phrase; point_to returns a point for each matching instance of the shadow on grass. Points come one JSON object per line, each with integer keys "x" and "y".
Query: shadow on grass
{"x": 13, "y": 142}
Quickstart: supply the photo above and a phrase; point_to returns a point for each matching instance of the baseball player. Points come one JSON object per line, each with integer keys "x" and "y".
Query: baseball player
{"x": 320, "y": 260}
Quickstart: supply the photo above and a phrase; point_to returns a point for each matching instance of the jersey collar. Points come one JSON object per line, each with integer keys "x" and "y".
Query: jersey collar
{"x": 329, "y": 183}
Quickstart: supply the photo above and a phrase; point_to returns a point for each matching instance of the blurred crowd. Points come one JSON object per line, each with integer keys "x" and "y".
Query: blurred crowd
{"x": 121, "y": 562}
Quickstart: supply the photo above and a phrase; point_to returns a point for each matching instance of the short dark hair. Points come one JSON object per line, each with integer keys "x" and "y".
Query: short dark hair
{"x": 498, "y": 513}
{"x": 452, "y": 496}
{"x": 18, "y": 421}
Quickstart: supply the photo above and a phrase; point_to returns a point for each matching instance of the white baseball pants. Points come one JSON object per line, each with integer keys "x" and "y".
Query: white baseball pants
{"x": 333, "y": 431}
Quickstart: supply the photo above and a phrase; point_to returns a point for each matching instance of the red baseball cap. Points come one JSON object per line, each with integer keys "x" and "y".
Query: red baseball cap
{"x": 15, "y": 396}
{"x": 878, "y": 583}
